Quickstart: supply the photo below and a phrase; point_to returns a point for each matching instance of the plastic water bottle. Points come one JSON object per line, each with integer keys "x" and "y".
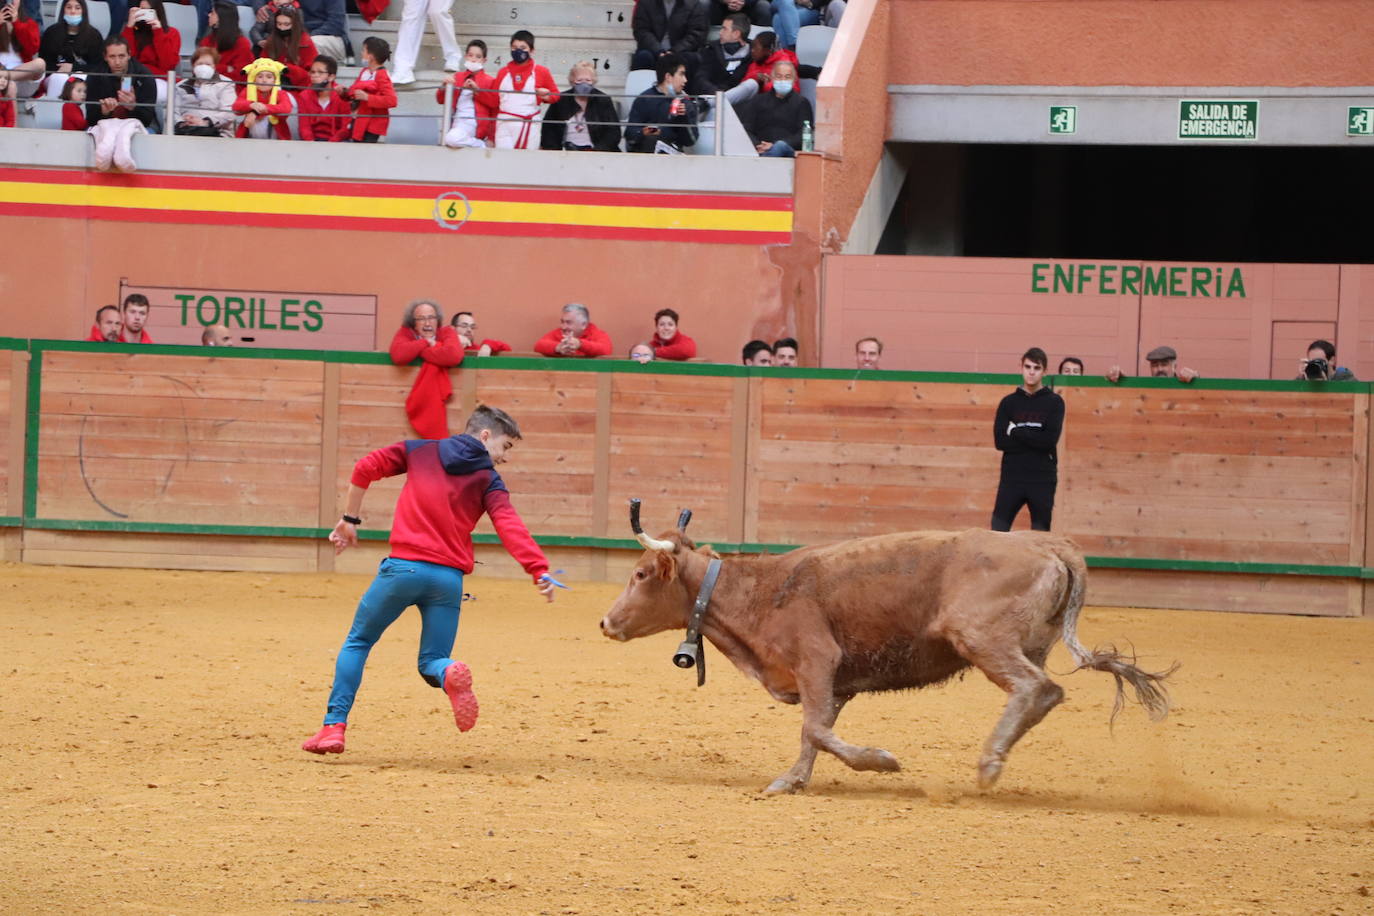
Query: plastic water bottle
{"x": 808, "y": 144}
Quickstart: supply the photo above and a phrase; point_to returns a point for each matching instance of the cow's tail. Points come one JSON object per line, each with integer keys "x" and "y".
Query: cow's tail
{"x": 1148, "y": 686}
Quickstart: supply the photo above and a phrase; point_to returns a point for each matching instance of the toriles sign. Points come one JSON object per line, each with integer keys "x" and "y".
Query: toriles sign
{"x": 260, "y": 318}
{"x": 1138, "y": 280}
{"x": 1218, "y": 119}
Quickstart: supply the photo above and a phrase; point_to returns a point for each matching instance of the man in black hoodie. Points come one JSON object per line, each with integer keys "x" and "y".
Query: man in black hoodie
{"x": 1026, "y": 432}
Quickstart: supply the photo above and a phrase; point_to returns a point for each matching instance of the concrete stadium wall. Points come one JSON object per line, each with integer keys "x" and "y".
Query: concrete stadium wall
{"x": 1248, "y": 496}
{"x": 1131, "y": 43}
{"x": 528, "y": 232}
{"x": 980, "y": 314}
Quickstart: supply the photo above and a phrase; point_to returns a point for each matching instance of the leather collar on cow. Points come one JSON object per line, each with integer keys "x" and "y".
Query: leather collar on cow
{"x": 691, "y": 652}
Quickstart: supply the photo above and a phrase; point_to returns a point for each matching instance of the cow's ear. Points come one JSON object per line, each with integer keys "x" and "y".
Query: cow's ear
{"x": 667, "y": 565}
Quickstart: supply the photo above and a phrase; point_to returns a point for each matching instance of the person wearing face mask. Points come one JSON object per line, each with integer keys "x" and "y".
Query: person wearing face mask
{"x": 290, "y": 44}
{"x": 523, "y": 87}
{"x": 725, "y": 61}
{"x": 584, "y": 118}
{"x": 70, "y": 46}
{"x": 774, "y": 120}
{"x": 205, "y": 102}
{"x": 474, "y": 113}
{"x": 323, "y": 113}
{"x": 661, "y": 113}
{"x": 154, "y": 43}
{"x": 224, "y": 36}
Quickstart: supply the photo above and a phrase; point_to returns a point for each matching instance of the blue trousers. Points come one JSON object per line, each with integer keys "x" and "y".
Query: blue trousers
{"x": 788, "y": 19}
{"x": 436, "y": 590}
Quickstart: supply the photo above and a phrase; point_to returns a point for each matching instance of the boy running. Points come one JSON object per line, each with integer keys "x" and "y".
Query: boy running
{"x": 449, "y": 484}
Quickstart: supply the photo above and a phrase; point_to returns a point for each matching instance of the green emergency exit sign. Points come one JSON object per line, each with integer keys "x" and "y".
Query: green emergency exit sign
{"x": 1063, "y": 119}
{"x": 1218, "y": 119}
{"x": 1359, "y": 122}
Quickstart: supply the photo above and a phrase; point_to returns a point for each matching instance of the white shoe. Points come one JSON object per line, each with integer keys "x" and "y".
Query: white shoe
{"x": 453, "y": 66}
{"x": 402, "y": 79}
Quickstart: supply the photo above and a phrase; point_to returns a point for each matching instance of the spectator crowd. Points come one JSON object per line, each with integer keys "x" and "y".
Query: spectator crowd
{"x": 281, "y": 80}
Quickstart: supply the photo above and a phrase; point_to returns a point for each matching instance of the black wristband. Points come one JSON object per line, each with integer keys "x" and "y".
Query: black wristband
{"x": 352, "y": 519}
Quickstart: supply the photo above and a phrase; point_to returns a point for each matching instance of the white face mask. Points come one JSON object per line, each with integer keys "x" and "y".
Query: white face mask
{"x": 203, "y": 71}
{"x": 472, "y": 65}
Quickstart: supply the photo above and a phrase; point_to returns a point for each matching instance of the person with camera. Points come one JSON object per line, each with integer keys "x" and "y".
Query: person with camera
{"x": 662, "y": 119}
{"x": 154, "y": 43}
{"x": 19, "y": 51}
{"x": 1320, "y": 364}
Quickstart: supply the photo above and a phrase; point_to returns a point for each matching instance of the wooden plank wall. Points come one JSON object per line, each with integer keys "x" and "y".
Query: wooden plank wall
{"x": 14, "y": 367}
{"x": 1170, "y": 473}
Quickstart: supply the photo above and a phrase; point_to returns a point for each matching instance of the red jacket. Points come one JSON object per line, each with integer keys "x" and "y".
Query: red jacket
{"x": 497, "y": 346}
{"x": 766, "y": 68}
{"x": 28, "y": 37}
{"x": 371, "y": 9}
{"x": 595, "y": 342}
{"x": 484, "y": 100}
{"x": 95, "y": 334}
{"x": 6, "y": 112}
{"x": 161, "y": 54}
{"x": 231, "y": 62}
{"x": 371, "y": 116}
{"x": 297, "y": 75}
{"x": 679, "y": 347}
{"x": 449, "y": 484}
{"x": 142, "y": 336}
{"x": 432, "y": 388}
{"x": 311, "y": 126}
{"x": 243, "y": 106}
{"x": 73, "y": 116}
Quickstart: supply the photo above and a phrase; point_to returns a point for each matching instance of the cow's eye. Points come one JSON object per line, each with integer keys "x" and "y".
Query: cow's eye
{"x": 640, "y": 574}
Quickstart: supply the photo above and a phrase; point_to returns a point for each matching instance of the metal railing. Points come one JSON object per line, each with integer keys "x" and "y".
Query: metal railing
{"x": 446, "y": 117}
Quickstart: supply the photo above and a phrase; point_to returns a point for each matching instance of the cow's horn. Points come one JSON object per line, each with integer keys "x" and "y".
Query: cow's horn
{"x": 648, "y": 542}
{"x": 684, "y": 520}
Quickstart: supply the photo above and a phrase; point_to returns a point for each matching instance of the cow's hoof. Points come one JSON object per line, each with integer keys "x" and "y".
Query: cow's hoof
{"x": 784, "y": 786}
{"x": 988, "y": 771}
{"x": 877, "y": 759}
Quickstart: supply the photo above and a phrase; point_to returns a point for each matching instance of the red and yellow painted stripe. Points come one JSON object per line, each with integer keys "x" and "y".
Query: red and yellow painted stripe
{"x": 387, "y": 207}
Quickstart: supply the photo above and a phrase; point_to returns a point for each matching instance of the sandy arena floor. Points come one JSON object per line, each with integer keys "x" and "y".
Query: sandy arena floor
{"x": 150, "y": 763}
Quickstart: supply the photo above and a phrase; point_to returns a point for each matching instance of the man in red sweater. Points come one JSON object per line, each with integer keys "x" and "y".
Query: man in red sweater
{"x": 575, "y": 335}
{"x": 449, "y": 484}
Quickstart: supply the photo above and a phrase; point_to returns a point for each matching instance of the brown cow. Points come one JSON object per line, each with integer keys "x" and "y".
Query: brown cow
{"x": 821, "y": 624}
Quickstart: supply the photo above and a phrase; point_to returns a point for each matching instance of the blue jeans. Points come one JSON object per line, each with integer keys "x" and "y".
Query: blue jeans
{"x": 436, "y": 590}
{"x": 788, "y": 20}
{"x": 781, "y": 150}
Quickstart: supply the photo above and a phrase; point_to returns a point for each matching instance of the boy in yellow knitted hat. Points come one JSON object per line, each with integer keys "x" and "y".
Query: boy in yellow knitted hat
{"x": 264, "y": 103}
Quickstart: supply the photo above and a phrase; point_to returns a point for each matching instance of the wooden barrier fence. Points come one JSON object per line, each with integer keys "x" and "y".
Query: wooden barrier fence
{"x": 1226, "y": 494}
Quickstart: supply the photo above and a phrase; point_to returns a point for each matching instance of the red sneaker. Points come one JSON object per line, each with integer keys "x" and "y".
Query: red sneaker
{"x": 458, "y": 686}
{"x": 328, "y": 740}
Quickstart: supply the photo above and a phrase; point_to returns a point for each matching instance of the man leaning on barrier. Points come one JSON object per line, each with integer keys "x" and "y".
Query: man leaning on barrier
{"x": 575, "y": 335}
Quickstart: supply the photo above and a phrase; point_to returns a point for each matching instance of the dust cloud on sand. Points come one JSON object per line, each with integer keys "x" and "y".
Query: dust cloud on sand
{"x": 152, "y": 723}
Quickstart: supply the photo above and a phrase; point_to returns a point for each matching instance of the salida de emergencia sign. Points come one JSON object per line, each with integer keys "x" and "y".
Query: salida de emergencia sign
{"x": 1218, "y": 119}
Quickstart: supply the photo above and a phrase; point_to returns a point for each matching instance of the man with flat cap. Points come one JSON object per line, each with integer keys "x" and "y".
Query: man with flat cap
{"x": 1163, "y": 364}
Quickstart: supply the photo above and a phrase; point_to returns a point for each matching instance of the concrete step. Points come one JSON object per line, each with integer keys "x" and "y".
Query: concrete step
{"x": 538, "y": 14}
{"x": 557, "y": 49}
